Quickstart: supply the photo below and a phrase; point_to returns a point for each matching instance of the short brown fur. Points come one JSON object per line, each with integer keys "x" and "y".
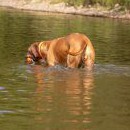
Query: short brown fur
{"x": 74, "y": 50}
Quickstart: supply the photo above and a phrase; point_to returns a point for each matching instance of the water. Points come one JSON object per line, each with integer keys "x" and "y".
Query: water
{"x": 58, "y": 98}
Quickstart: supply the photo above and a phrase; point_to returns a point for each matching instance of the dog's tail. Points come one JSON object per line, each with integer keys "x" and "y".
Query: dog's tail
{"x": 87, "y": 51}
{"x": 79, "y": 52}
{"x": 86, "y": 48}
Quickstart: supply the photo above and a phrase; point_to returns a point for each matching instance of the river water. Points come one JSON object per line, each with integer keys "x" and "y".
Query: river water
{"x": 58, "y": 98}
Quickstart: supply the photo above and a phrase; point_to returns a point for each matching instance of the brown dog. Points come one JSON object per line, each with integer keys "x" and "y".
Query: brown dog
{"x": 74, "y": 50}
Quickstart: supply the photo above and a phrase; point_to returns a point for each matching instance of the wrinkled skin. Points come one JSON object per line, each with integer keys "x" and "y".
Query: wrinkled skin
{"x": 74, "y": 50}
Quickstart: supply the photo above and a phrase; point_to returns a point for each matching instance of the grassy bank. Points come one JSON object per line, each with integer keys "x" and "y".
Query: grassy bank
{"x": 108, "y": 3}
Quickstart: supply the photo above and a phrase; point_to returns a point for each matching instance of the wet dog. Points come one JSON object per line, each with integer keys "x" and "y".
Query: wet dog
{"x": 74, "y": 51}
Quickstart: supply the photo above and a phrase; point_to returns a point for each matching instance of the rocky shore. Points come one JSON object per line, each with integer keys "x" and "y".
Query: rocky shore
{"x": 96, "y": 11}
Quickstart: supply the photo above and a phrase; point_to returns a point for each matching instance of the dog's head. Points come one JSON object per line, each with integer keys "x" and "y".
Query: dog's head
{"x": 33, "y": 54}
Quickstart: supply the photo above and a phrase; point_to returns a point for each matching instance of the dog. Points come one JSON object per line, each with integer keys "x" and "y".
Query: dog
{"x": 73, "y": 51}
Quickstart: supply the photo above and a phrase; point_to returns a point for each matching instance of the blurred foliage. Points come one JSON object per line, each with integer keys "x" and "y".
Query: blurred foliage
{"x": 110, "y": 3}
{"x": 92, "y": 2}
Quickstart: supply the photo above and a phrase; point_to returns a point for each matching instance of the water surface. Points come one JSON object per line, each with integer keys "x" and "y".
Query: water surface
{"x": 38, "y": 98}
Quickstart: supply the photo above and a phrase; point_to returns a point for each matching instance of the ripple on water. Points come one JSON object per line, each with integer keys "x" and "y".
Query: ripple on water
{"x": 6, "y": 111}
{"x": 112, "y": 69}
{"x": 2, "y": 88}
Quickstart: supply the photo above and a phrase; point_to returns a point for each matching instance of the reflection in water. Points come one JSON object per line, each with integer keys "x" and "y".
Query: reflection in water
{"x": 63, "y": 98}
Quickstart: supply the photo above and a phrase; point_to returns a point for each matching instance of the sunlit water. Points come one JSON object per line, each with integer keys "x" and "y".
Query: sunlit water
{"x": 58, "y": 98}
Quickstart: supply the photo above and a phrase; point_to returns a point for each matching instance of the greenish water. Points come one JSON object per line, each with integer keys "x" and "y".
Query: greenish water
{"x": 57, "y": 98}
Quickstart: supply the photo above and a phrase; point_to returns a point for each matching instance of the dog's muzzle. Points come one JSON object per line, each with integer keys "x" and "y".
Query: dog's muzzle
{"x": 29, "y": 59}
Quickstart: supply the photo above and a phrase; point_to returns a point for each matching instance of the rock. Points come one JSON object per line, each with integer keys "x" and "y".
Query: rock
{"x": 89, "y": 6}
{"x": 116, "y": 5}
{"x": 117, "y": 8}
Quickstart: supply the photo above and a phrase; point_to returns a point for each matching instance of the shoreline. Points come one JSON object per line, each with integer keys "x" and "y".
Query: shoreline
{"x": 97, "y": 11}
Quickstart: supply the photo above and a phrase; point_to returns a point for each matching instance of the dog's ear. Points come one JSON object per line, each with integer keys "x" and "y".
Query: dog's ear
{"x": 34, "y": 50}
{"x": 43, "y": 48}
